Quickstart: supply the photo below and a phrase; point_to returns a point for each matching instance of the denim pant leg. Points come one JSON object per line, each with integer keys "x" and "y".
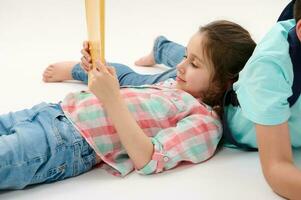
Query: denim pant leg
{"x": 41, "y": 145}
{"x": 167, "y": 52}
{"x": 79, "y": 74}
{"x": 126, "y": 76}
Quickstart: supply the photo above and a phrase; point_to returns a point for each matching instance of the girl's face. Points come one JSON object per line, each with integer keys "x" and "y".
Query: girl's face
{"x": 194, "y": 72}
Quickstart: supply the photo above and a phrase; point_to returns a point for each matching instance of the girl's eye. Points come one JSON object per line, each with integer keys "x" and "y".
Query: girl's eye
{"x": 185, "y": 56}
{"x": 193, "y": 65}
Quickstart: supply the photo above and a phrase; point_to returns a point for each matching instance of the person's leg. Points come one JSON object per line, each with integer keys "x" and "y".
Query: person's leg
{"x": 42, "y": 146}
{"x": 127, "y": 76}
{"x": 164, "y": 52}
{"x": 79, "y": 74}
{"x": 167, "y": 52}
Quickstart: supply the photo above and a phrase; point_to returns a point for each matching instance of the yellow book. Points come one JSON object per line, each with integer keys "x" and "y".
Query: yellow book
{"x": 95, "y": 18}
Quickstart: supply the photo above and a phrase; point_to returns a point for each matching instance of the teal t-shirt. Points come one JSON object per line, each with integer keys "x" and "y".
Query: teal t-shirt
{"x": 263, "y": 88}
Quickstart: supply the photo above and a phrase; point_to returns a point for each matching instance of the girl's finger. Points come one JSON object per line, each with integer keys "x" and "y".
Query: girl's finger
{"x": 83, "y": 66}
{"x": 86, "y": 64}
{"x": 101, "y": 67}
{"x": 112, "y": 70}
{"x": 95, "y": 72}
{"x": 84, "y": 61}
{"x": 86, "y": 55}
{"x": 87, "y": 68}
{"x": 86, "y": 45}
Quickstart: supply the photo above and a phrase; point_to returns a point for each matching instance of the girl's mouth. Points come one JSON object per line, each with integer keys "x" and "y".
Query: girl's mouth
{"x": 178, "y": 79}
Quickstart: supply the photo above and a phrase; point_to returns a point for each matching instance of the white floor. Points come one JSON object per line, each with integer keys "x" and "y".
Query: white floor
{"x": 35, "y": 33}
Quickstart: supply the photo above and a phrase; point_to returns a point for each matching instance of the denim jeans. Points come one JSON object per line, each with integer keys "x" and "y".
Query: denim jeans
{"x": 40, "y": 145}
{"x": 165, "y": 52}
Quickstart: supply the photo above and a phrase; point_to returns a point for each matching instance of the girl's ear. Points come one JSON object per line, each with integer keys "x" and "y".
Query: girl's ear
{"x": 298, "y": 29}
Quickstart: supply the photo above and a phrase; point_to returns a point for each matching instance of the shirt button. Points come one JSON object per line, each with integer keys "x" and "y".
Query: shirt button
{"x": 165, "y": 158}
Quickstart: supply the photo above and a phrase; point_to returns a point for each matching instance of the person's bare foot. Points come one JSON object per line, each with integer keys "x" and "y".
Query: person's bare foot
{"x": 146, "y": 61}
{"x": 58, "y": 72}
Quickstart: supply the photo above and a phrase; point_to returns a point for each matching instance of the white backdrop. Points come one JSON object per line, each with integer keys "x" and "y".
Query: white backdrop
{"x": 35, "y": 33}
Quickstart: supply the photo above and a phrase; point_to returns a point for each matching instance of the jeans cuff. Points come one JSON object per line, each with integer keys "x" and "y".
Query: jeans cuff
{"x": 156, "y": 49}
{"x": 75, "y": 71}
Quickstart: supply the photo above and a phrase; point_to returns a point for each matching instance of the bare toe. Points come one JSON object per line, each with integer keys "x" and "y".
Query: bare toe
{"x": 47, "y": 73}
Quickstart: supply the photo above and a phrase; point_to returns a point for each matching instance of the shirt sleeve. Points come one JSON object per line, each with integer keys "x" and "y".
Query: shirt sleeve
{"x": 263, "y": 91}
{"x": 194, "y": 139}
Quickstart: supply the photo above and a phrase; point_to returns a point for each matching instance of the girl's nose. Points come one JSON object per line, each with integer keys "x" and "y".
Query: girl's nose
{"x": 181, "y": 67}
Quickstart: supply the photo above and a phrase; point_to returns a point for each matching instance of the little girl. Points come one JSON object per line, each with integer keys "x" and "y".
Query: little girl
{"x": 148, "y": 128}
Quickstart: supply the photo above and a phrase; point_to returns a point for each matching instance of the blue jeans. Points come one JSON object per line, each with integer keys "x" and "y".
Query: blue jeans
{"x": 40, "y": 145}
{"x": 165, "y": 52}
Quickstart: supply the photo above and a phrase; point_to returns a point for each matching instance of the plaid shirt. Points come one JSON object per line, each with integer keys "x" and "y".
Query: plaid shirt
{"x": 181, "y": 127}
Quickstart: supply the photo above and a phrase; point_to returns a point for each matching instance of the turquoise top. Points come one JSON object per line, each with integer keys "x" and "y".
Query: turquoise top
{"x": 263, "y": 88}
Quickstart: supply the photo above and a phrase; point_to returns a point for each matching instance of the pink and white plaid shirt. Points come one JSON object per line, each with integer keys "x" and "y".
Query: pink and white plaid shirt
{"x": 181, "y": 127}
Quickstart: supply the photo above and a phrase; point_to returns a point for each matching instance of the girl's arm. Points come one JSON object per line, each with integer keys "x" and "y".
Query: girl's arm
{"x": 194, "y": 139}
{"x": 104, "y": 84}
{"x": 138, "y": 146}
{"x": 276, "y": 158}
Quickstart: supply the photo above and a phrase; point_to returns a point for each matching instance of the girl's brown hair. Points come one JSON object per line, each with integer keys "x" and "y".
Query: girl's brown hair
{"x": 228, "y": 46}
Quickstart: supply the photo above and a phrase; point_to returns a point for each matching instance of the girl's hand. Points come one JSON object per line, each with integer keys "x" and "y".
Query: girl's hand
{"x": 104, "y": 83}
{"x": 86, "y": 60}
